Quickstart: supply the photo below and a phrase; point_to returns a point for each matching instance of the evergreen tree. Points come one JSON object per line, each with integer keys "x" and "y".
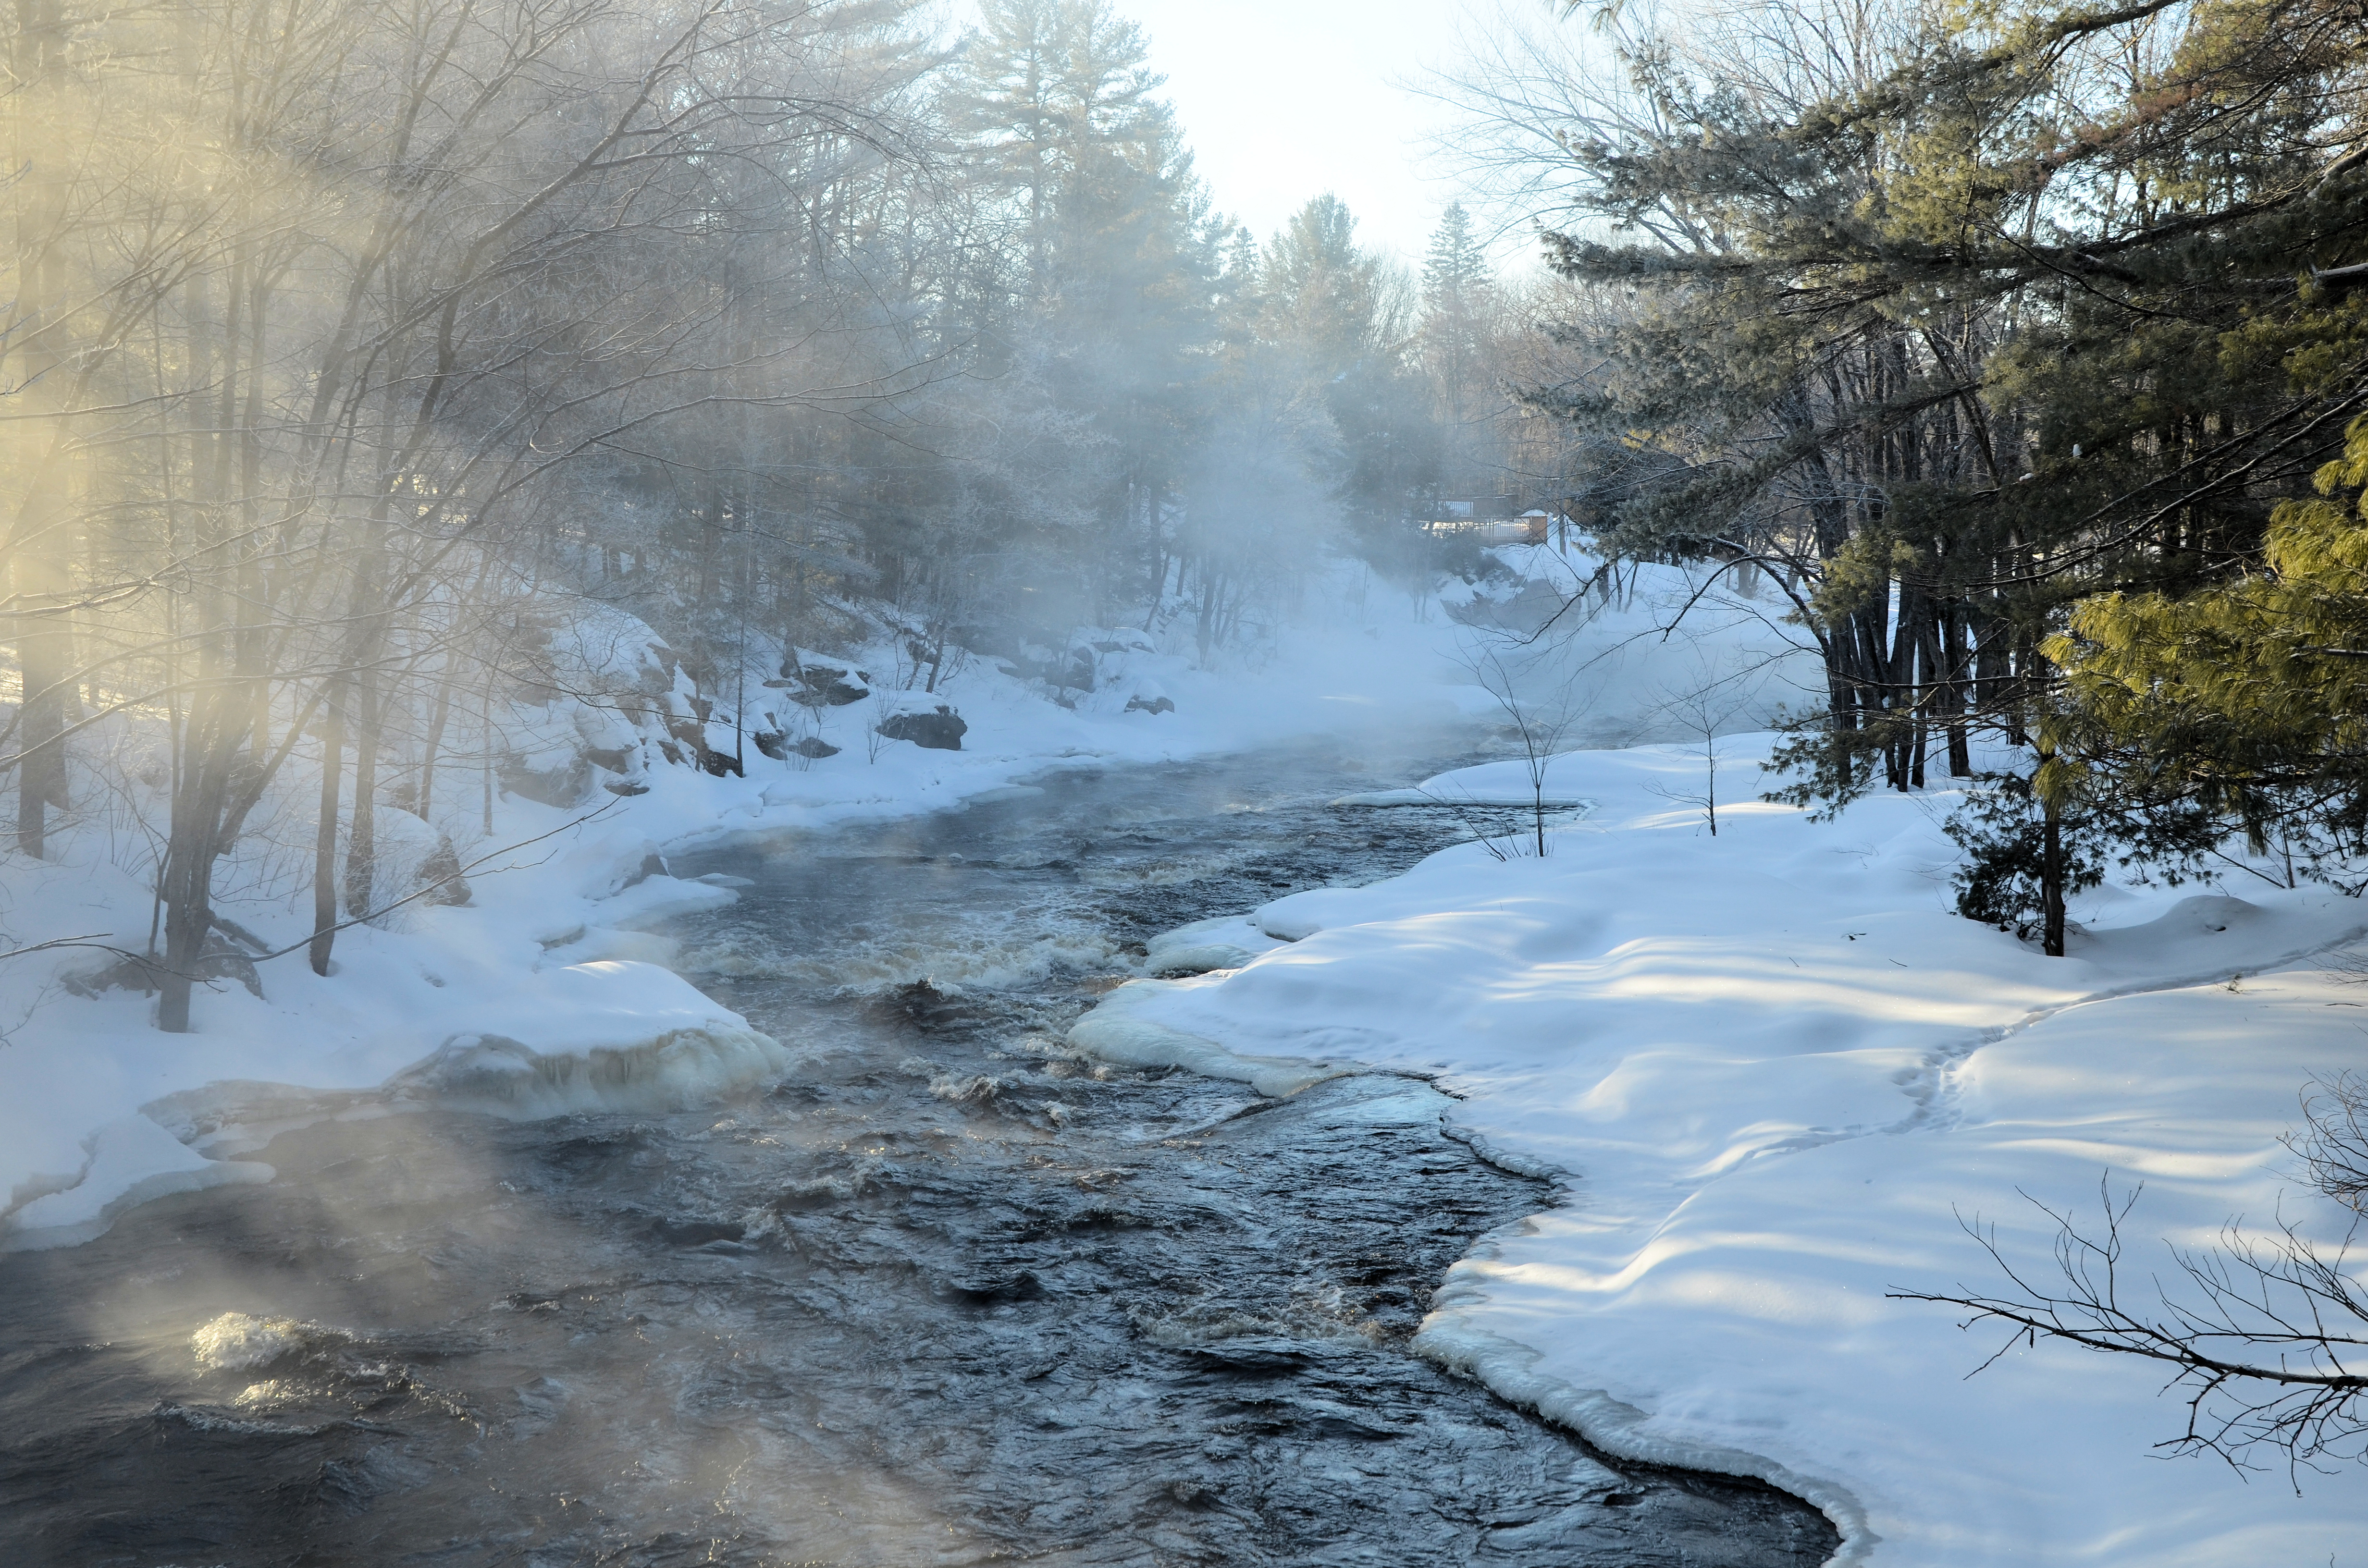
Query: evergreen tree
{"x": 1458, "y": 308}
{"x": 1109, "y": 297}
{"x": 1961, "y": 321}
{"x": 1342, "y": 318}
{"x": 1323, "y": 289}
{"x": 2242, "y": 706}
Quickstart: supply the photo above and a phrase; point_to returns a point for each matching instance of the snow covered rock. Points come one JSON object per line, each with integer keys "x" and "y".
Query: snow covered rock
{"x": 1226, "y": 942}
{"x": 940, "y": 728}
{"x": 817, "y": 683}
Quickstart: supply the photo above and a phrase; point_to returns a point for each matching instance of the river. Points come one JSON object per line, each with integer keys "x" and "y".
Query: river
{"x": 948, "y": 1295}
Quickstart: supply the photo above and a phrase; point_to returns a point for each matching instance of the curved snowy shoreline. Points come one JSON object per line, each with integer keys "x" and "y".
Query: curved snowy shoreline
{"x": 547, "y": 983}
{"x": 79, "y": 1076}
{"x": 1773, "y": 1062}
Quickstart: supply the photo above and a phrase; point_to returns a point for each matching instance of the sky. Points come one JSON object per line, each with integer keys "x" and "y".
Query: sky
{"x": 1281, "y": 100}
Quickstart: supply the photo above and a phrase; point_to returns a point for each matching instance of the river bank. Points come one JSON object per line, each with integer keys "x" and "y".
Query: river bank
{"x": 1775, "y": 1071}
{"x": 946, "y": 1292}
{"x": 552, "y": 988}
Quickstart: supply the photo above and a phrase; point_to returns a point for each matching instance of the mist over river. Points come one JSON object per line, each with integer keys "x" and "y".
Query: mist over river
{"x": 949, "y": 1294}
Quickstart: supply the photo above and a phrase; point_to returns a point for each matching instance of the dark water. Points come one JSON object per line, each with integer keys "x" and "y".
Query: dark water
{"x": 946, "y": 1296}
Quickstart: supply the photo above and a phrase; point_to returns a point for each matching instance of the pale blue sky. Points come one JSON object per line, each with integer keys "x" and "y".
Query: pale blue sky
{"x": 1284, "y": 99}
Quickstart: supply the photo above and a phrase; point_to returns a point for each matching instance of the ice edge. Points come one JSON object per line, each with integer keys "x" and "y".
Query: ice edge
{"x": 1507, "y": 1368}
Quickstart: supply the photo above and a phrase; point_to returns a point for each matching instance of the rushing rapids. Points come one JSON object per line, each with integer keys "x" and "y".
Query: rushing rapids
{"x": 949, "y": 1294}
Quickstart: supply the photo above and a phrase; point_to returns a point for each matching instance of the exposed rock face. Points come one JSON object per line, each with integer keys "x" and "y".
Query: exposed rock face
{"x": 223, "y": 960}
{"x": 940, "y": 730}
{"x": 441, "y": 867}
{"x": 1534, "y": 604}
{"x": 219, "y": 959}
{"x": 825, "y": 685}
{"x": 407, "y": 855}
{"x": 558, "y": 783}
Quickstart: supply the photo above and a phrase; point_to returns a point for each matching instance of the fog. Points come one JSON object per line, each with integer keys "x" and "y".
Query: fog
{"x": 361, "y": 353}
{"x": 430, "y": 426}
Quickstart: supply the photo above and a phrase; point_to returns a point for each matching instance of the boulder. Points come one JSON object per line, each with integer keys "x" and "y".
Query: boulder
{"x": 1141, "y": 704}
{"x": 439, "y": 870}
{"x": 552, "y": 782}
{"x": 939, "y": 731}
{"x": 815, "y": 747}
{"x": 814, "y": 685}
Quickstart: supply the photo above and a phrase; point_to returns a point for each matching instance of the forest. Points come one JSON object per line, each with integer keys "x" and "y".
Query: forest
{"x": 360, "y": 356}
{"x": 2022, "y": 347}
{"x": 696, "y": 695}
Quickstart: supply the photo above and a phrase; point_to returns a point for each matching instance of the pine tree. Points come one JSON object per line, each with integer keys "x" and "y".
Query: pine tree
{"x": 2243, "y": 706}
{"x": 1110, "y": 299}
{"x": 1944, "y": 336}
{"x": 1321, "y": 288}
{"x": 1454, "y": 343}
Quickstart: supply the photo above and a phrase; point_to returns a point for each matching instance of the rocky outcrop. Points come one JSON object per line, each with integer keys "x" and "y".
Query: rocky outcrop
{"x": 939, "y": 731}
{"x": 553, "y": 779}
{"x": 813, "y": 684}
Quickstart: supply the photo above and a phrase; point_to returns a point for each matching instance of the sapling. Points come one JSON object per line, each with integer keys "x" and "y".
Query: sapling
{"x": 1538, "y": 722}
{"x": 1712, "y": 698}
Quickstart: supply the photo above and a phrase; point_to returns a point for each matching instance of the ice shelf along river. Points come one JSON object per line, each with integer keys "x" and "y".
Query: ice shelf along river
{"x": 947, "y": 1295}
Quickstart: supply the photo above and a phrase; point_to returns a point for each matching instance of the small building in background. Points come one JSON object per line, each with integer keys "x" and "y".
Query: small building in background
{"x": 1494, "y": 520}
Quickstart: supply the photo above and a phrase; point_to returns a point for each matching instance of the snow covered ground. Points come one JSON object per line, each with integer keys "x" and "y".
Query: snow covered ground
{"x": 1771, "y": 1065}
{"x": 547, "y": 991}
{"x": 1775, "y": 1069}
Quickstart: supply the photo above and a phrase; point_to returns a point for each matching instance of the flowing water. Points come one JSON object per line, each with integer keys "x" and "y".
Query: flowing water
{"x": 948, "y": 1295}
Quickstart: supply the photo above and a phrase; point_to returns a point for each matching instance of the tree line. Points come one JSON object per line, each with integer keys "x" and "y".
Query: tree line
{"x": 356, "y": 355}
{"x": 2019, "y": 345}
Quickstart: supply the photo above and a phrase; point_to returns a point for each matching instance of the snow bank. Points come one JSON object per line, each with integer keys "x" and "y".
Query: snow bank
{"x": 1777, "y": 1068}
{"x": 551, "y": 990}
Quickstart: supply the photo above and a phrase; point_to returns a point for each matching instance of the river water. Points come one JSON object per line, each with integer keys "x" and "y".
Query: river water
{"x": 948, "y": 1295}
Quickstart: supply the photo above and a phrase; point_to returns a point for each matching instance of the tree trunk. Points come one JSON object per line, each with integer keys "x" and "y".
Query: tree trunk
{"x": 41, "y": 655}
{"x": 436, "y": 723}
{"x": 1952, "y": 701}
{"x": 361, "y": 836}
{"x": 2051, "y": 880}
{"x": 195, "y": 841}
{"x": 324, "y": 841}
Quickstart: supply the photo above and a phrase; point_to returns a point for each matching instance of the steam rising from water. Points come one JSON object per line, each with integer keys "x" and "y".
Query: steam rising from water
{"x": 943, "y": 1294}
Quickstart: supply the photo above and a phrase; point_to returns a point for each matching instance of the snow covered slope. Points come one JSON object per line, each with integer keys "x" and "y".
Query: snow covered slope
{"x": 1776, "y": 1068}
{"x": 548, "y": 991}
